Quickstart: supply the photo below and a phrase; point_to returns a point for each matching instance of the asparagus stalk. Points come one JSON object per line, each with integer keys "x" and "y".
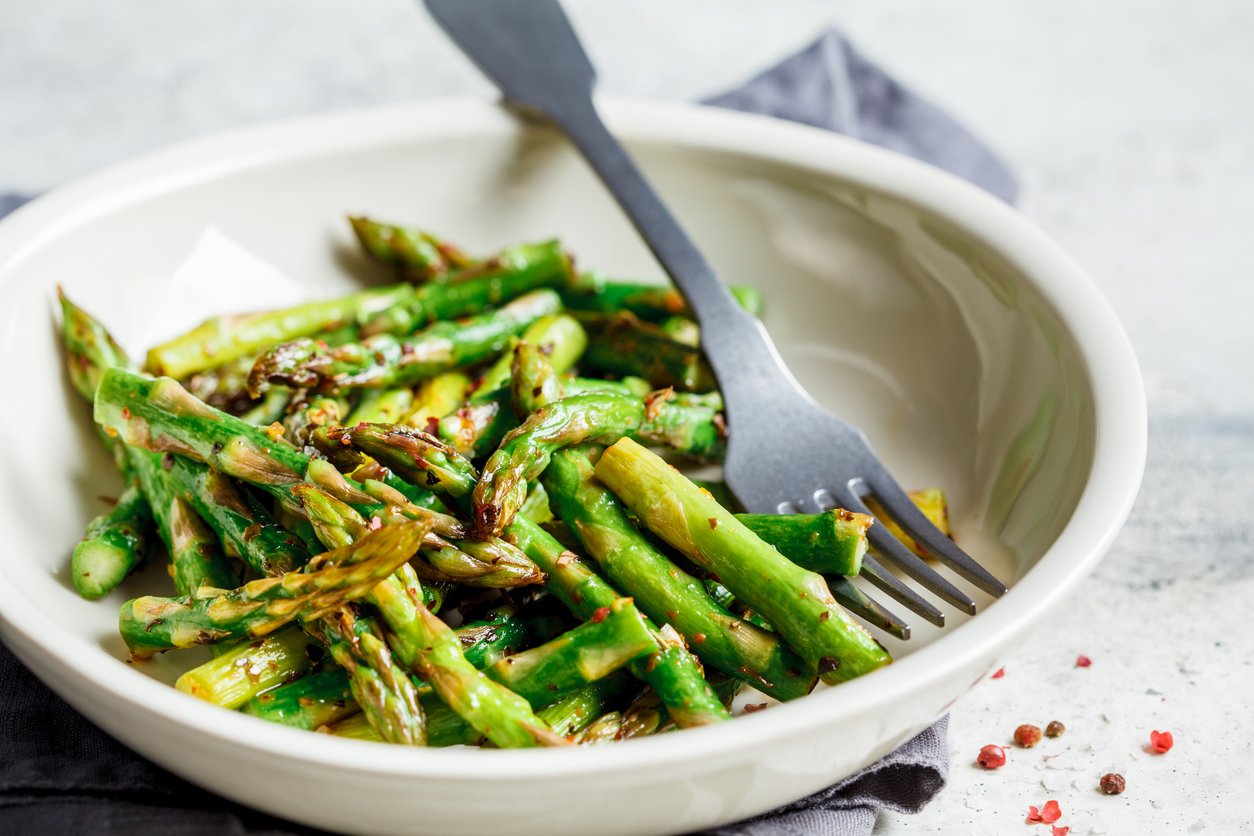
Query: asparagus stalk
{"x": 249, "y": 668}
{"x": 672, "y": 672}
{"x": 431, "y": 649}
{"x": 655, "y": 303}
{"x": 605, "y": 729}
{"x": 116, "y": 541}
{"x": 645, "y": 716}
{"x": 492, "y": 563}
{"x": 614, "y": 636}
{"x": 283, "y": 705}
{"x": 725, "y": 599}
{"x": 381, "y": 687}
{"x": 831, "y": 543}
{"x": 151, "y": 624}
{"x": 222, "y": 339}
{"x": 414, "y": 455}
{"x": 427, "y": 646}
{"x": 317, "y": 699}
{"x": 575, "y": 712}
{"x": 196, "y": 557}
{"x": 486, "y": 418}
{"x": 384, "y": 361}
{"x": 246, "y": 530}
{"x": 503, "y": 632}
{"x": 444, "y": 727}
{"x": 516, "y": 270}
{"x": 622, "y": 344}
{"x": 536, "y": 506}
{"x": 533, "y": 380}
{"x": 112, "y": 546}
{"x": 437, "y": 397}
{"x": 559, "y": 336}
{"x": 309, "y": 415}
{"x": 224, "y": 387}
{"x": 598, "y": 418}
{"x": 325, "y": 697}
{"x": 387, "y": 406}
{"x": 418, "y": 256}
{"x": 268, "y": 410}
{"x": 795, "y": 601}
{"x": 632, "y": 386}
{"x": 356, "y": 727}
{"x": 663, "y": 590}
{"x": 475, "y": 428}
{"x": 160, "y": 415}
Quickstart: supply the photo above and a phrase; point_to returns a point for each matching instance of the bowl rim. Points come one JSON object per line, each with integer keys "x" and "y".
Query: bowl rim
{"x": 1120, "y": 422}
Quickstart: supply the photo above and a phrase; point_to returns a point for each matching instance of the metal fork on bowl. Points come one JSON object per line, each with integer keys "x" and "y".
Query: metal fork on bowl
{"x": 528, "y": 49}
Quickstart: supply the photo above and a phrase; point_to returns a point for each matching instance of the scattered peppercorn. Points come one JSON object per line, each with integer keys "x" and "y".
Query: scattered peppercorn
{"x": 991, "y": 757}
{"x": 1083, "y": 661}
{"x": 1028, "y": 735}
{"x": 1054, "y": 729}
{"x": 1048, "y": 813}
{"x": 999, "y": 673}
{"x": 1161, "y": 741}
{"x": 1112, "y": 783}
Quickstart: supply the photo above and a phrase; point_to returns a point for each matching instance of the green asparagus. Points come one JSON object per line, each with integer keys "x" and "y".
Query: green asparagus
{"x": 224, "y": 339}
{"x": 673, "y": 672}
{"x": 831, "y": 543}
{"x": 249, "y": 668}
{"x": 598, "y": 418}
{"x": 418, "y": 256}
{"x": 593, "y": 292}
{"x": 795, "y": 601}
{"x": 385, "y": 361}
{"x": 614, "y": 636}
{"x": 515, "y": 271}
{"x": 151, "y": 624}
{"x": 437, "y": 397}
{"x": 663, "y": 590}
{"x": 112, "y": 546}
{"x": 622, "y": 344}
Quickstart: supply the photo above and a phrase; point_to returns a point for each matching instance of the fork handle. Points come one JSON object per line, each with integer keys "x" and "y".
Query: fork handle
{"x": 734, "y": 341}
{"x": 529, "y": 50}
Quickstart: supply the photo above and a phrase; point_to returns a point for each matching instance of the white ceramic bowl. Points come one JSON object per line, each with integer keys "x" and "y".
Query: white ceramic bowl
{"x": 975, "y": 354}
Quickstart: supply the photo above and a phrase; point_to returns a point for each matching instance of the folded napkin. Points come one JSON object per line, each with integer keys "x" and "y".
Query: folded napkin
{"x": 60, "y": 774}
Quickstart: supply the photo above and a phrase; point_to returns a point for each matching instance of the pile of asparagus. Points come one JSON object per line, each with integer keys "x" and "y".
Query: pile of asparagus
{"x": 402, "y": 516}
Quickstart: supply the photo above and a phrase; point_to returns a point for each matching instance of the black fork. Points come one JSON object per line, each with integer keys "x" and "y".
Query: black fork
{"x": 785, "y": 452}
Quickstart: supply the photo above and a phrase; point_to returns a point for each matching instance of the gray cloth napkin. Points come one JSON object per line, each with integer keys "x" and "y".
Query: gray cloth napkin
{"x": 60, "y": 774}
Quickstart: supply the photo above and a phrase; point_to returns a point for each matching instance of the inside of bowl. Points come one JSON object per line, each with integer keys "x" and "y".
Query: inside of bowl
{"x": 891, "y": 316}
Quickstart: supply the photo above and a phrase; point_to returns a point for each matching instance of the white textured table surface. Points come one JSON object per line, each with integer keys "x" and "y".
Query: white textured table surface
{"x": 1131, "y": 126}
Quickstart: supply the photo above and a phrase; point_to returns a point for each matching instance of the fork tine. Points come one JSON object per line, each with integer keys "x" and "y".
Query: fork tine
{"x": 867, "y": 608}
{"x": 907, "y": 561}
{"x": 891, "y": 549}
{"x": 887, "y": 581}
{"x": 899, "y": 505}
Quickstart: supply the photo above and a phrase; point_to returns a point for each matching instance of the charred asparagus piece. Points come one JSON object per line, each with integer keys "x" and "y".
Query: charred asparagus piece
{"x": 418, "y": 256}
{"x": 151, "y": 624}
{"x": 597, "y": 418}
{"x": 385, "y": 361}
